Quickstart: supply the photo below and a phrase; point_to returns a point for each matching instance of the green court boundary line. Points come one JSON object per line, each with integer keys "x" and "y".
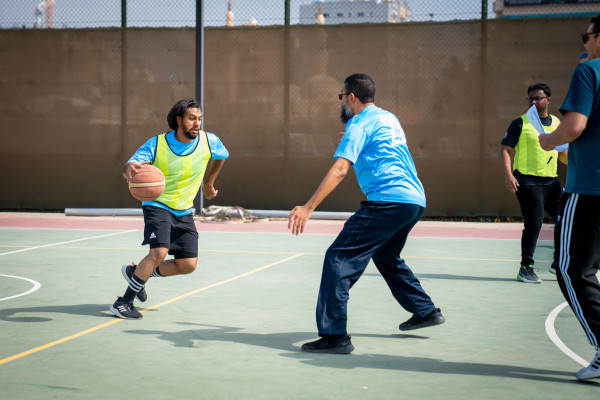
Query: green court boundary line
{"x": 104, "y": 325}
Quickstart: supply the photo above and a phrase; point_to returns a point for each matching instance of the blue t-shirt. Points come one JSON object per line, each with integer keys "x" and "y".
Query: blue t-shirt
{"x": 147, "y": 152}
{"x": 583, "y": 168}
{"x": 374, "y": 142}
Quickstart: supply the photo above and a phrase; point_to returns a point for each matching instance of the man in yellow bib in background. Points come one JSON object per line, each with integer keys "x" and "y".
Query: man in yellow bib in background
{"x": 533, "y": 175}
{"x": 182, "y": 155}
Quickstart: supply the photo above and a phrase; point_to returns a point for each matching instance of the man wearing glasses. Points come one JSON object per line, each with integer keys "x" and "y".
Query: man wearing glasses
{"x": 577, "y": 231}
{"x": 374, "y": 143}
{"x": 533, "y": 176}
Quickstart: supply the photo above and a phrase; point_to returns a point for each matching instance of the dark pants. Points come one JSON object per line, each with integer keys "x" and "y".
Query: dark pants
{"x": 577, "y": 244}
{"x": 379, "y": 231}
{"x": 534, "y": 199}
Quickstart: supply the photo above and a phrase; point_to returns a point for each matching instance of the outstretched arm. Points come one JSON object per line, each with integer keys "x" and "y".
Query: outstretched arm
{"x": 300, "y": 214}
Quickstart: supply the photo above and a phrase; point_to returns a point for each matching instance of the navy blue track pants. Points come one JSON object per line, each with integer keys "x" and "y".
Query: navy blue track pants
{"x": 377, "y": 231}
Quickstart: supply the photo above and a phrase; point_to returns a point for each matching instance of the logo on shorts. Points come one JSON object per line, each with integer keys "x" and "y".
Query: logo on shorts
{"x": 152, "y": 236}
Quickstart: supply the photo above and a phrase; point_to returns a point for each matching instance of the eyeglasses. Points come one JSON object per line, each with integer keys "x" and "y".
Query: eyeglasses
{"x": 586, "y": 36}
{"x": 342, "y": 95}
{"x": 532, "y": 99}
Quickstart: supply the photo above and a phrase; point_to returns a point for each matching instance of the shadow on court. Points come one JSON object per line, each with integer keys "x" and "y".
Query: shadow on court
{"x": 456, "y": 277}
{"x": 434, "y": 366}
{"x": 14, "y": 314}
{"x": 287, "y": 342}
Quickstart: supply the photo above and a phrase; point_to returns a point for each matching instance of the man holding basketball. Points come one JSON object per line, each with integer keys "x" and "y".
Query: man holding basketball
{"x": 182, "y": 154}
{"x": 374, "y": 143}
{"x": 533, "y": 176}
{"x": 577, "y": 230}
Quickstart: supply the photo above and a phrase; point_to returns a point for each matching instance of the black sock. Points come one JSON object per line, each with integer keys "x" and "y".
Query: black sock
{"x": 134, "y": 287}
{"x": 156, "y": 273}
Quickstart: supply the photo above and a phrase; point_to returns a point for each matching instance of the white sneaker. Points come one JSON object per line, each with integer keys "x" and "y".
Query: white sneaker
{"x": 591, "y": 371}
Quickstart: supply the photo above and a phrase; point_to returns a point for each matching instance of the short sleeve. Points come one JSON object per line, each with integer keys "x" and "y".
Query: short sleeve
{"x": 146, "y": 152}
{"x": 580, "y": 97}
{"x": 352, "y": 143}
{"x": 217, "y": 149}
{"x": 513, "y": 133}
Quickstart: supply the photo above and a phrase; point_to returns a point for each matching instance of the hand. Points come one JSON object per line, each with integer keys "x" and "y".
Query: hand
{"x": 341, "y": 134}
{"x": 298, "y": 217}
{"x": 209, "y": 191}
{"x": 511, "y": 184}
{"x": 546, "y": 142}
{"x": 133, "y": 168}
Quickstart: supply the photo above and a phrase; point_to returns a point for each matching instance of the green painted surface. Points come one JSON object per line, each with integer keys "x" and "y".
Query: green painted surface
{"x": 240, "y": 339}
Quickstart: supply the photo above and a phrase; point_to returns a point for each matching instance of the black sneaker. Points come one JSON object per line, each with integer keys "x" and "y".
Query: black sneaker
{"x": 552, "y": 269}
{"x": 434, "y": 318}
{"x": 332, "y": 345}
{"x": 125, "y": 310}
{"x": 127, "y": 271}
{"x": 527, "y": 275}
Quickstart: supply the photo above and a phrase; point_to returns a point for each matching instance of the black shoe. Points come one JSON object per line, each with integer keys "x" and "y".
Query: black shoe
{"x": 332, "y": 345}
{"x": 125, "y": 310}
{"x": 434, "y": 318}
{"x": 527, "y": 274}
{"x": 127, "y": 271}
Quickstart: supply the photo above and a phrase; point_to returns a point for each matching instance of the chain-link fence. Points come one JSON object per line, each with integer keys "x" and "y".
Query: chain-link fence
{"x": 182, "y": 13}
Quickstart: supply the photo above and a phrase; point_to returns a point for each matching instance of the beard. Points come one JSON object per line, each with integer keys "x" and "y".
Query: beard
{"x": 346, "y": 113}
{"x": 190, "y": 134}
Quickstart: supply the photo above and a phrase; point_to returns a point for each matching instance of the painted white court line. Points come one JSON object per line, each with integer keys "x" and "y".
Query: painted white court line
{"x": 36, "y": 286}
{"x": 69, "y": 241}
{"x": 556, "y": 340}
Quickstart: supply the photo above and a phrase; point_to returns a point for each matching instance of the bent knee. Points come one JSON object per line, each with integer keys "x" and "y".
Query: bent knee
{"x": 186, "y": 265}
{"x": 158, "y": 254}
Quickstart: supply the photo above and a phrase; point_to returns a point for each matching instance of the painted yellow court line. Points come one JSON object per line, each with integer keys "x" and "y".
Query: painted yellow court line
{"x": 104, "y": 325}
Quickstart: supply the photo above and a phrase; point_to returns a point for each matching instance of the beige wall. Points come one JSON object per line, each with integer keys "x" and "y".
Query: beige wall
{"x": 69, "y": 120}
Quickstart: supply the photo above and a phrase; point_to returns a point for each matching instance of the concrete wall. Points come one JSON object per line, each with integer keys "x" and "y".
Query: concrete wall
{"x": 76, "y": 104}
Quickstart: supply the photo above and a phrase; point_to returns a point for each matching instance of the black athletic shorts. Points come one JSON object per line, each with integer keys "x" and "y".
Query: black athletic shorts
{"x": 163, "y": 229}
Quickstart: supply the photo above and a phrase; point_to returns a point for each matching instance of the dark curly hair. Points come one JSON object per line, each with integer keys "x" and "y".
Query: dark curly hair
{"x": 179, "y": 109}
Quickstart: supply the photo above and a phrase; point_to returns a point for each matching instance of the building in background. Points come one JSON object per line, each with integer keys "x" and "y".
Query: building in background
{"x": 545, "y": 8}
{"x": 356, "y": 11}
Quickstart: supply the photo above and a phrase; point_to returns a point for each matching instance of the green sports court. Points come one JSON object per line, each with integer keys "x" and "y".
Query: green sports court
{"x": 233, "y": 328}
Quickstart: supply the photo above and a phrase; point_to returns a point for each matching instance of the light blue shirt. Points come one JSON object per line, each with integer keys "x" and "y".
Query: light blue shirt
{"x": 147, "y": 152}
{"x": 374, "y": 142}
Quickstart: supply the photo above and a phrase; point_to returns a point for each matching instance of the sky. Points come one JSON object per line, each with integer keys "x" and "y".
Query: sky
{"x": 177, "y": 13}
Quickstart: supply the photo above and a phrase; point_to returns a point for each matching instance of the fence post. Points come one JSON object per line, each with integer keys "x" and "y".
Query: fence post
{"x": 199, "y": 199}
{"x": 287, "y": 13}
{"x": 123, "y": 156}
{"x": 484, "y": 9}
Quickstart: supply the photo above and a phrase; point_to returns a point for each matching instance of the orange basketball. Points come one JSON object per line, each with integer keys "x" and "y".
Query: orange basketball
{"x": 147, "y": 184}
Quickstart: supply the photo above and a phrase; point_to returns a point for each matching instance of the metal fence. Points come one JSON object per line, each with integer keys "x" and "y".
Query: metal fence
{"x": 66, "y": 14}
